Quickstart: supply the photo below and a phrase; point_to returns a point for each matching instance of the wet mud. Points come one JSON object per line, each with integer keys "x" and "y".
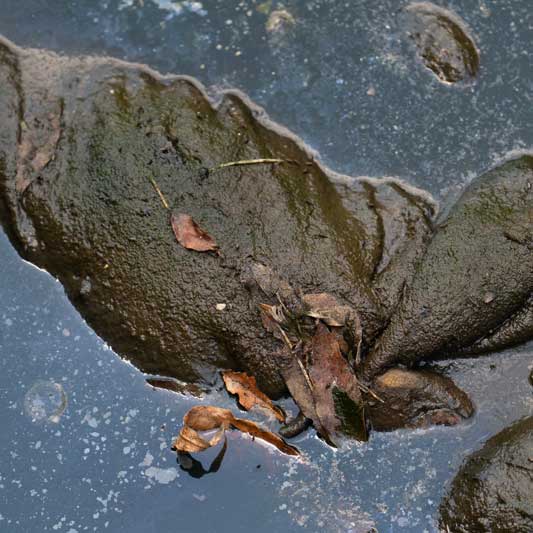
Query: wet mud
{"x": 84, "y": 141}
{"x": 493, "y": 491}
{"x": 91, "y": 217}
{"x": 442, "y": 42}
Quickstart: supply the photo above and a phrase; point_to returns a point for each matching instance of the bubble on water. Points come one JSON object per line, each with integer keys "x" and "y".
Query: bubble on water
{"x": 45, "y": 401}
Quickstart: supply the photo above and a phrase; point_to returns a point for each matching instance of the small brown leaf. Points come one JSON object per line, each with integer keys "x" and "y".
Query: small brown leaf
{"x": 190, "y": 235}
{"x": 327, "y": 308}
{"x": 245, "y": 387}
{"x": 207, "y": 418}
{"x": 275, "y": 312}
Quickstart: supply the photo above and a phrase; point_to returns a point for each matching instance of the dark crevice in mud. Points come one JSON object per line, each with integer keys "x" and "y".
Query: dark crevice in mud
{"x": 374, "y": 205}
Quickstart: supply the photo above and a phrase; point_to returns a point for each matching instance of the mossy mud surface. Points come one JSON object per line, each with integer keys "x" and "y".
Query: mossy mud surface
{"x": 339, "y": 80}
{"x": 91, "y": 217}
{"x": 87, "y": 140}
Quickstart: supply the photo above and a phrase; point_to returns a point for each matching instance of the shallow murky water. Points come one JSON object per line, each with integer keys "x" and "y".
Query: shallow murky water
{"x": 86, "y": 442}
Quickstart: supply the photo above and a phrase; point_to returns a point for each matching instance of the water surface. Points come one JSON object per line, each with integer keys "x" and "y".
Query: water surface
{"x": 343, "y": 80}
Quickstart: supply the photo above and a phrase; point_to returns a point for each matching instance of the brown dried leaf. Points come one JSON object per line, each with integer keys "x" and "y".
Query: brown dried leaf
{"x": 207, "y": 417}
{"x": 337, "y": 396}
{"x": 328, "y": 391}
{"x": 245, "y": 387}
{"x": 327, "y": 308}
{"x": 190, "y": 235}
{"x": 253, "y": 429}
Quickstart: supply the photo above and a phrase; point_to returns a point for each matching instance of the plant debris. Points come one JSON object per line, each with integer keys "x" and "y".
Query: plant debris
{"x": 327, "y": 391}
{"x": 247, "y": 162}
{"x": 327, "y": 308}
{"x": 190, "y": 235}
{"x": 158, "y": 191}
{"x": 245, "y": 387}
{"x": 208, "y": 418}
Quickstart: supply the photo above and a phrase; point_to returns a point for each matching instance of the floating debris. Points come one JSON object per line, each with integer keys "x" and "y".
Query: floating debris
{"x": 203, "y": 418}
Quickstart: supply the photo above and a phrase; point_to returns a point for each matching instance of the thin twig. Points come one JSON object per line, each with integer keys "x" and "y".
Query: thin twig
{"x": 304, "y": 372}
{"x": 292, "y": 349}
{"x": 364, "y": 388}
{"x": 158, "y": 191}
{"x": 247, "y": 162}
{"x": 285, "y": 338}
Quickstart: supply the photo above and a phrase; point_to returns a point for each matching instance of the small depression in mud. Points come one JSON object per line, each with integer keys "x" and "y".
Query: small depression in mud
{"x": 88, "y": 442}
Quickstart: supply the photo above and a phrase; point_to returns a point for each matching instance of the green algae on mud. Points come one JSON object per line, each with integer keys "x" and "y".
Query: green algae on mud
{"x": 493, "y": 491}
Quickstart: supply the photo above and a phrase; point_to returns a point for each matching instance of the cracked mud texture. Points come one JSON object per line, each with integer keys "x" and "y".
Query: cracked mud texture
{"x": 493, "y": 491}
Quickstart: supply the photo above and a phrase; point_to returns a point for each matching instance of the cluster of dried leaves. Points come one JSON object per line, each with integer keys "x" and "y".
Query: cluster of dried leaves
{"x": 316, "y": 364}
{"x": 315, "y": 360}
{"x": 203, "y": 418}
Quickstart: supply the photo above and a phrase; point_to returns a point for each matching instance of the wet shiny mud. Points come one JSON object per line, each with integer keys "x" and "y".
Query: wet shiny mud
{"x": 356, "y": 484}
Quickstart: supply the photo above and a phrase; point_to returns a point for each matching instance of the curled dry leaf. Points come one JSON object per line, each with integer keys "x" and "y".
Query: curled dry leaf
{"x": 207, "y": 418}
{"x": 190, "y": 235}
{"x": 245, "y": 387}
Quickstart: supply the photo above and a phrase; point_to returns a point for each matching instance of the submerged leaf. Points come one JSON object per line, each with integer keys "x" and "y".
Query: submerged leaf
{"x": 208, "y": 418}
{"x": 245, "y": 387}
{"x": 190, "y": 235}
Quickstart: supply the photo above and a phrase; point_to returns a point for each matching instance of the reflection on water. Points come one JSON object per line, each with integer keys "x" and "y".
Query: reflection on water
{"x": 341, "y": 79}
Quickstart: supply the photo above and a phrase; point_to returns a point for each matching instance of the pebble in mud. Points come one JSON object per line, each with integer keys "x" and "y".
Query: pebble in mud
{"x": 442, "y": 41}
{"x": 45, "y": 401}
